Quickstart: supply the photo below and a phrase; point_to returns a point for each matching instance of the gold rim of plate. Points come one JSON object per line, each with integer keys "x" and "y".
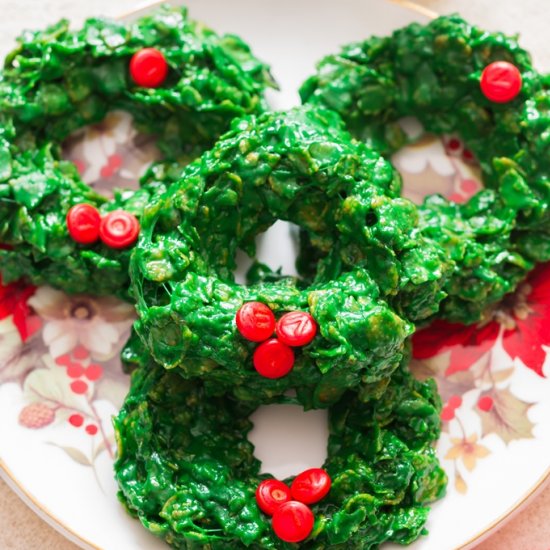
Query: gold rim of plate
{"x": 69, "y": 533}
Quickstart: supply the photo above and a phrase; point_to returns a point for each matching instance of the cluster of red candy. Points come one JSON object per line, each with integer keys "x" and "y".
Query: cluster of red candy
{"x": 292, "y": 518}
{"x": 117, "y": 229}
{"x": 274, "y": 357}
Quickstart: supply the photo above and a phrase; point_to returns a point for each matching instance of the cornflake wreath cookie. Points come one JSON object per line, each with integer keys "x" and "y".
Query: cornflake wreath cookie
{"x": 455, "y": 77}
{"x": 378, "y": 273}
{"x": 186, "y": 469}
{"x": 178, "y": 79}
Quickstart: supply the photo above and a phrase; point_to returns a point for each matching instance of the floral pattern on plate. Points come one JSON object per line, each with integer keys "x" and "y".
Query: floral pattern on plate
{"x": 63, "y": 351}
{"x": 465, "y": 361}
{"x": 112, "y": 153}
{"x": 460, "y": 357}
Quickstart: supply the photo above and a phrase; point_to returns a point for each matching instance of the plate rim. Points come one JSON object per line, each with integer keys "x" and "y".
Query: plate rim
{"x": 53, "y": 521}
{"x": 41, "y": 510}
{"x": 515, "y": 509}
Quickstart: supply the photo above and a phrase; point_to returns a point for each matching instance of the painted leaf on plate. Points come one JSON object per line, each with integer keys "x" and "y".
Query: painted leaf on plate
{"x": 51, "y": 385}
{"x": 77, "y": 455}
{"x": 508, "y": 417}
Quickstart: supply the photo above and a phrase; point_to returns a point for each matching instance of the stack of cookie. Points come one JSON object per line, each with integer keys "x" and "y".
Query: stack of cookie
{"x": 207, "y": 352}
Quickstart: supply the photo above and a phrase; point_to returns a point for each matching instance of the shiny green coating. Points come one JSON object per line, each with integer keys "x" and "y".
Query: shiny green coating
{"x": 432, "y": 72}
{"x": 59, "y": 80}
{"x": 186, "y": 469}
{"x": 379, "y": 273}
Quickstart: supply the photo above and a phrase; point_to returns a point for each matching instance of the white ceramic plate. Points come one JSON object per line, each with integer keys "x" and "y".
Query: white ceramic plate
{"x": 60, "y": 378}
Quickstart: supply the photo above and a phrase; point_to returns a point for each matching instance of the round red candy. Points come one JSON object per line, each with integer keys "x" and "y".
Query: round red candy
{"x": 296, "y": 328}
{"x": 293, "y": 521}
{"x": 255, "y": 321}
{"x": 500, "y": 82}
{"x": 273, "y": 359}
{"x": 83, "y": 221}
{"x": 311, "y": 486}
{"x": 148, "y": 68}
{"x": 270, "y": 494}
{"x": 119, "y": 229}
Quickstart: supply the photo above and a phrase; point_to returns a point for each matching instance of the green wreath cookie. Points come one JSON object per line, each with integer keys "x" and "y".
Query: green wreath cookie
{"x": 455, "y": 77}
{"x": 186, "y": 469}
{"x": 302, "y": 167}
{"x": 178, "y": 79}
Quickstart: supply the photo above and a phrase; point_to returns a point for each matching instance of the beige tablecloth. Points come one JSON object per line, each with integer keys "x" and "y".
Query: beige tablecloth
{"x": 20, "y": 528}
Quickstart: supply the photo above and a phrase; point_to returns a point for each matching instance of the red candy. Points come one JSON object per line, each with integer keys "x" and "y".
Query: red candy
{"x": 500, "y": 82}
{"x": 119, "y": 229}
{"x": 255, "y": 321}
{"x": 293, "y": 521}
{"x": 311, "y": 486}
{"x": 83, "y": 222}
{"x": 148, "y": 68}
{"x": 270, "y": 494}
{"x": 273, "y": 359}
{"x": 296, "y": 328}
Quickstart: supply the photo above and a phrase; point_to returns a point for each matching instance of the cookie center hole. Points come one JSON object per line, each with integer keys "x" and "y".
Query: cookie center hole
{"x": 277, "y": 248}
{"x": 111, "y": 154}
{"x": 288, "y": 440}
{"x": 432, "y": 164}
